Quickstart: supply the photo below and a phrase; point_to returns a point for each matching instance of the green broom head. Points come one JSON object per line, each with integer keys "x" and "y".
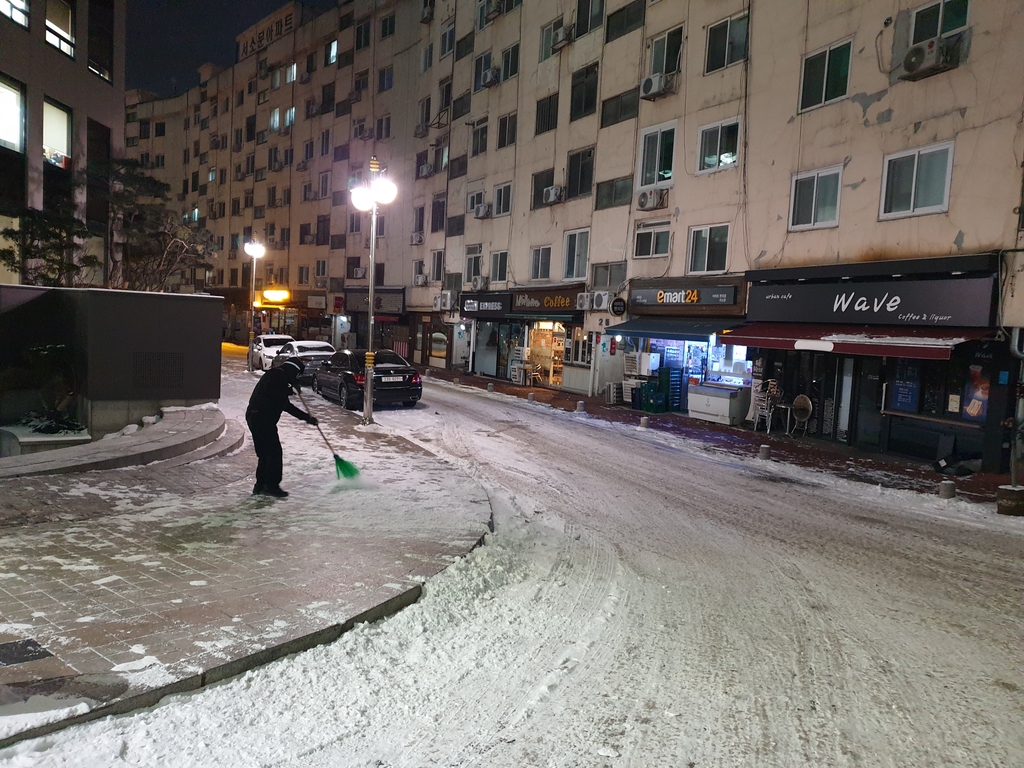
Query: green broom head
{"x": 344, "y": 468}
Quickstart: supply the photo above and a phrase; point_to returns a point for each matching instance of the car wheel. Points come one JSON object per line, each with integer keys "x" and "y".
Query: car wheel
{"x": 315, "y": 385}
{"x": 342, "y": 394}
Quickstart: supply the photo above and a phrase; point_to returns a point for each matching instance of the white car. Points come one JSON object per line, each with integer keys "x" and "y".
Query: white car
{"x": 265, "y": 348}
{"x": 312, "y": 354}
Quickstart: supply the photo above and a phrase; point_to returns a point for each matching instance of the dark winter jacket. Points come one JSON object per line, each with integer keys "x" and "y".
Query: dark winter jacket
{"x": 270, "y": 397}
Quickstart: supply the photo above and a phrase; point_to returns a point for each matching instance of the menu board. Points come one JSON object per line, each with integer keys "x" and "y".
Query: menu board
{"x": 906, "y": 386}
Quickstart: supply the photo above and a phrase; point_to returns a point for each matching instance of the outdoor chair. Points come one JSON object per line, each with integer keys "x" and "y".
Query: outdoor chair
{"x": 802, "y": 409}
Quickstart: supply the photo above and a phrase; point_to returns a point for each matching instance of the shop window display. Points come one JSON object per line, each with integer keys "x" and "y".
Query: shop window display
{"x": 547, "y": 352}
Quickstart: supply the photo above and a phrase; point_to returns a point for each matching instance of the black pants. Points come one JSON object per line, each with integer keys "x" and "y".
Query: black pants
{"x": 268, "y": 448}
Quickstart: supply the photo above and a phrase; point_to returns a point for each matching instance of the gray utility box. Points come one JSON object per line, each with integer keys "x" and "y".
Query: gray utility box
{"x": 720, "y": 404}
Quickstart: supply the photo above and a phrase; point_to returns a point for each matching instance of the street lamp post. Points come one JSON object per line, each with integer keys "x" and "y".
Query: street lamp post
{"x": 366, "y": 198}
{"x": 256, "y": 250}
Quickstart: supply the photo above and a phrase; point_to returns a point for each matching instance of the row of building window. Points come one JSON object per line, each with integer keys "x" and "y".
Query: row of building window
{"x": 57, "y": 124}
{"x": 60, "y": 29}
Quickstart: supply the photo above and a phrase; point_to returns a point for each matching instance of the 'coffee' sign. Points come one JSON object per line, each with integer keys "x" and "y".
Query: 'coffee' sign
{"x": 964, "y": 303}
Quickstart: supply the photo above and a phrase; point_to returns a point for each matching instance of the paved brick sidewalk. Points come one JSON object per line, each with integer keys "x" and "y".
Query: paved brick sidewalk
{"x": 888, "y": 471}
{"x": 118, "y": 587}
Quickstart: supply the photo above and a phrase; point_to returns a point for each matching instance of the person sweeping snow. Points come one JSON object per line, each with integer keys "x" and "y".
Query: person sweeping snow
{"x": 269, "y": 399}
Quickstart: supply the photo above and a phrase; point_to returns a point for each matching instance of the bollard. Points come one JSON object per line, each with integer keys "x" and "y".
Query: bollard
{"x": 644, "y": 421}
{"x": 529, "y": 397}
{"x": 456, "y": 380}
{"x": 581, "y": 406}
{"x": 947, "y": 489}
{"x": 490, "y": 387}
{"x": 764, "y": 452}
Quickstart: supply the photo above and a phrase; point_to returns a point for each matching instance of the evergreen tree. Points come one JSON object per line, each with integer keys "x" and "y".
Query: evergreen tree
{"x": 48, "y": 247}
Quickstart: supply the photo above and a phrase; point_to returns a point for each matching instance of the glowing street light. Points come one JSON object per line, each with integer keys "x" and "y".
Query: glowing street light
{"x": 256, "y": 250}
{"x": 380, "y": 191}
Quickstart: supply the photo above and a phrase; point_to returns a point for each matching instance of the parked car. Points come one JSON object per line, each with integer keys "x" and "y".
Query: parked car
{"x": 264, "y": 349}
{"x": 312, "y": 353}
{"x": 343, "y": 378}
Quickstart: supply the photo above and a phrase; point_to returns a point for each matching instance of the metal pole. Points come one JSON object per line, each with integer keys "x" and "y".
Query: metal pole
{"x": 368, "y": 386}
{"x": 252, "y": 314}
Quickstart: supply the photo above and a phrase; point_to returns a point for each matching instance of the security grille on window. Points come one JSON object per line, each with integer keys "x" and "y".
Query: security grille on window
{"x": 547, "y": 114}
{"x": 506, "y": 130}
{"x": 727, "y": 43}
{"x": 609, "y": 276}
{"x": 540, "y": 263}
{"x": 580, "y": 176}
{"x": 917, "y": 182}
{"x": 815, "y": 199}
{"x": 502, "y": 199}
{"x": 499, "y": 266}
{"x": 577, "y": 247}
{"x": 719, "y": 146}
{"x": 658, "y": 149}
{"x": 665, "y": 52}
{"x": 473, "y": 256}
{"x": 436, "y": 266}
{"x": 826, "y": 75}
{"x": 652, "y": 240}
{"x": 709, "y": 248}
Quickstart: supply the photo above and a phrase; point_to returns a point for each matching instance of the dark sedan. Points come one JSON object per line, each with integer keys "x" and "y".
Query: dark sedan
{"x": 343, "y": 378}
{"x": 312, "y": 353}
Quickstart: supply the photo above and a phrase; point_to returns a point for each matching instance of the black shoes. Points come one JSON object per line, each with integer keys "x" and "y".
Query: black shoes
{"x": 262, "y": 490}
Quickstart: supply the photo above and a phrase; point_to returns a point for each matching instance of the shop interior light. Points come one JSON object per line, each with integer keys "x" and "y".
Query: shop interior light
{"x": 618, "y": 337}
{"x": 276, "y": 295}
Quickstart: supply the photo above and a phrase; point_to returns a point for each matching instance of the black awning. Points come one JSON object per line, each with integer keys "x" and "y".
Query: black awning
{"x": 675, "y": 328}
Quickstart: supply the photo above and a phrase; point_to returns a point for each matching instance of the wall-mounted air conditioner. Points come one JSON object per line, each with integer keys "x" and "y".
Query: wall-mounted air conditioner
{"x": 482, "y": 211}
{"x": 480, "y": 283}
{"x": 447, "y": 300}
{"x": 655, "y": 86}
{"x": 416, "y": 238}
{"x": 584, "y": 301}
{"x": 359, "y": 273}
{"x": 560, "y": 38}
{"x": 426, "y": 171}
{"x": 552, "y": 195}
{"x": 651, "y": 199}
{"x": 601, "y": 300}
{"x": 419, "y": 280}
{"x": 930, "y": 57}
{"x": 491, "y": 77}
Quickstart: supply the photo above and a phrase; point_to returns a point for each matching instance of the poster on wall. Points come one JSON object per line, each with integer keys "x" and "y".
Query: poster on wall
{"x": 975, "y": 400}
{"x": 906, "y": 386}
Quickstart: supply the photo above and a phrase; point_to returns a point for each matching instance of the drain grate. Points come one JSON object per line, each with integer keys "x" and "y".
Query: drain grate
{"x": 21, "y": 651}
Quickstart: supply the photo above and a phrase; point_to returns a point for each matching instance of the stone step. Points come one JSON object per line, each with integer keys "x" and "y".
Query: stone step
{"x": 230, "y": 440}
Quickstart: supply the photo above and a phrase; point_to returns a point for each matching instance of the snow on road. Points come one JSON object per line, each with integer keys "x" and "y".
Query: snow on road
{"x": 644, "y": 601}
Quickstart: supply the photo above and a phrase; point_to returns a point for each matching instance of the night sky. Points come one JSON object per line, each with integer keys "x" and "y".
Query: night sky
{"x": 169, "y": 39}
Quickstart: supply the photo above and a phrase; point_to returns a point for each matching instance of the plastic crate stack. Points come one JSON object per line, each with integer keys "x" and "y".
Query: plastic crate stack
{"x": 670, "y": 384}
{"x": 652, "y": 400}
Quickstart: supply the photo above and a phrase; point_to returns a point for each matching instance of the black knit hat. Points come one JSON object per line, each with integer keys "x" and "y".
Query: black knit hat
{"x": 295, "y": 364}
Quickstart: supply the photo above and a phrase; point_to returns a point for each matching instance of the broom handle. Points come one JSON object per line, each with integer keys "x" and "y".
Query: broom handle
{"x": 317, "y": 425}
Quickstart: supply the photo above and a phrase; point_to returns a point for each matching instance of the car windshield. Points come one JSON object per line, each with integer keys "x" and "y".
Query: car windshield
{"x": 320, "y": 348}
{"x": 275, "y": 341}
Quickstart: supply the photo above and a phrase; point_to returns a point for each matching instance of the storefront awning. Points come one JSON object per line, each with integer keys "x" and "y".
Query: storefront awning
{"x": 921, "y": 343}
{"x": 677, "y": 329}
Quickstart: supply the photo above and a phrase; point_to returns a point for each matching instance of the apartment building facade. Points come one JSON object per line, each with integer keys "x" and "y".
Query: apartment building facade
{"x": 661, "y": 166}
{"x": 61, "y": 106}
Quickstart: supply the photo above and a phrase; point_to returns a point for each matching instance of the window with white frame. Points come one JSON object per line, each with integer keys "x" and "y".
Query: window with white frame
{"x": 473, "y": 257}
{"x": 436, "y": 266}
{"x": 427, "y": 57}
{"x": 481, "y": 64}
{"x": 510, "y": 62}
{"x": 503, "y": 199}
{"x": 479, "y": 145}
{"x": 506, "y": 130}
{"x": 383, "y": 127}
{"x": 16, "y": 10}
{"x": 481, "y": 14}
{"x": 540, "y": 263}
{"x": 942, "y": 18}
{"x": 916, "y": 182}
{"x": 577, "y": 247}
{"x": 653, "y": 239}
{"x": 499, "y": 266}
{"x": 814, "y": 199}
{"x": 385, "y": 79}
{"x": 547, "y": 34}
{"x": 665, "y": 52}
{"x": 363, "y": 33}
{"x": 290, "y": 72}
{"x": 609, "y": 276}
{"x": 719, "y": 145}
{"x": 579, "y": 344}
{"x": 325, "y": 142}
{"x": 387, "y": 26}
{"x": 657, "y": 148}
{"x": 419, "y": 267}
{"x": 727, "y": 43}
{"x": 321, "y": 267}
{"x": 325, "y": 184}
{"x": 709, "y": 248}
{"x": 331, "y": 53}
{"x": 826, "y": 75}
{"x": 447, "y": 40}
{"x": 355, "y": 222}
{"x": 473, "y": 199}
{"x": 56, "y": 135}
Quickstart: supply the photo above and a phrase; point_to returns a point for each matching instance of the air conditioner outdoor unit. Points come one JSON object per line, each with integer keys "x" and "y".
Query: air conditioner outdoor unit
{"x": 584, "y": 301}
{"x": 416, "y": 238}
{"x": 601, "y": 300}
{"x": 308, "y": 239}
{"x": 561, "y": 38}
{"x": 305, "y": 77}
{"x": 359, "y": 273}
{"x": 286, "y": 130}
{"x": 421, "y": 130}
{"x": 655, "y": 86}
{"x": 276, "y": 167}
{"x": 493, "y": 10}
{"x": 420, "y": 280}
{"x": 491, "y": 77}
{"x": 355, "y": 96}
{"x": 427, "y": 16}
{"x": 651, "y": 199}
{"x": 480, "y": 283}
{"x": 301, "y": 166}
{"x": 482, "y": 211}
{"x": 552, "y": 195}
{"x": 437, "y": 303}
{"x": 447, "y": 300}
{"x": 930, "y": 58}
{"x": 426, "y": 170}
